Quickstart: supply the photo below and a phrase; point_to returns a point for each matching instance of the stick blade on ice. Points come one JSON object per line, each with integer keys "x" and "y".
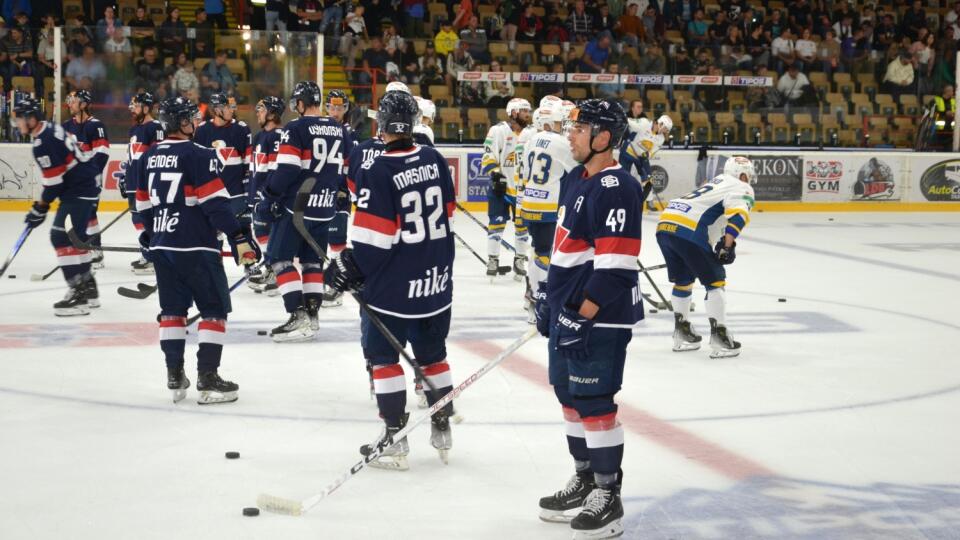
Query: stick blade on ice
{"x": 279, "y": 505}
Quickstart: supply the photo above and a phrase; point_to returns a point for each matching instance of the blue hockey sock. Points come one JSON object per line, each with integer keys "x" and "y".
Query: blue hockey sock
{"x": 391, "y": 390}
{"x": 212, "y": 332}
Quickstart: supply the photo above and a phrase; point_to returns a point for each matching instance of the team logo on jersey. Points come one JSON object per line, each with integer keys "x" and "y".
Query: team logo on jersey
{"x": 226, "y": 154}
{"x": 609, "y": 181}
{"x": 433, "y": 283}
{"x": 823, "y": 176}
{"x": 874, "y": 181}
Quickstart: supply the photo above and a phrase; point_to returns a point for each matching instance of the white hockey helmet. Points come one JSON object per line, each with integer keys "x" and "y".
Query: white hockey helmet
{"x": 427, "y": 108}
{"x": 550, "y": 99}
{"x": 517, "y": 104}
{"x": 736, "y": 166}
{"x": 547, "y": 113}
{"x": 665, "y": 122}
{"x": 563, "y": 111}
{"x": 398, "y": 86}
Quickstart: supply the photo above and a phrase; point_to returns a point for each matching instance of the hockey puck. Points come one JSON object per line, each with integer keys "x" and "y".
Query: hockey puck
{"x": 829, "y": 219}
{"x": 654, "y": 311}
{"x": 11, "y": 276}
{"x": 232, "y": 455}
{"x": 261, "y": 332}
{"x": 251, "y": 511}
{"x": 781, "y": 299}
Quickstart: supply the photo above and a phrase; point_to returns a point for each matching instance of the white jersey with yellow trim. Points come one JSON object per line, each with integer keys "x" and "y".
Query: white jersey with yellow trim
{"x": 546, "y": 160}
{"x": 500, "y": 154}
{"x": 643, "y": 143}
{"x": 702, "y": 216}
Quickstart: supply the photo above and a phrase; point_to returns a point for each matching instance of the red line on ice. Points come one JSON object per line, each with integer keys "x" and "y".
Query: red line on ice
{"x": 695, "y": 448}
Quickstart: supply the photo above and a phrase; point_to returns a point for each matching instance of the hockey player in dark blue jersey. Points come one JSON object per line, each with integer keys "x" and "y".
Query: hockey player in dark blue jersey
{"x": 230, "y": 139}
{"x": 337, "y": 106}
{"x": 92, "y": 140}
{"x": 592, "y": 301}
{"x": 67, "y": 177}
{"x": 312, "y": 145}
{"x": 263, "y": 160}
{"x": 145, "y": 132}
{"x": 184, "y": 204}
{"x": 402, "y": 264}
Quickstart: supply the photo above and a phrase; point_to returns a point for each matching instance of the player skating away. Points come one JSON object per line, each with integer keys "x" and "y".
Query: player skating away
{"x": 65, "y": 176}
{"x": 402, "y": 264}
{"x": 644, "y": 139}
{"x": 500, "y": 162}
{"x": 145, "y": 132}
{"x": 263, "y": 160}
{"x": 592, "y": 302}
{"x": 91, "y": 136}
{"x": 548, "y": 159}
{"x": 423, "y": 131}
{"x": 312, "y": 145}
{"x": 184, "y": 204}
{"x": 230, "y": 139}
{"x": 337, "y": 106}
{"x": 719, "y": 209}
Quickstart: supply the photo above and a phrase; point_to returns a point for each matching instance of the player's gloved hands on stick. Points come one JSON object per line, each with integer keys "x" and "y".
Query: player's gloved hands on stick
{"x": 122, "y": 183}
{"x": 144, "y": 241}
{"x": 245, "y": 249}
{"x": 542, "y": 311}
{"x": 266, "y": 211}
{"x": 573, "y": 332}
{"x": 37, "y": 214}
{"x": 499, "y": 183}
{"x": 343, "y": 274}
{"x": 726, "y": 255}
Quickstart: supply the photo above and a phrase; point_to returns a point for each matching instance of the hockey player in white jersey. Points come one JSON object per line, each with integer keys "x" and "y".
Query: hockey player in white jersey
{"x": 644, "y": 139}
{"x": 547, "y": 159}
{"x": 715, "y": 212}
{"x": 423, "y": 131}
{"x": 500, "y": 161}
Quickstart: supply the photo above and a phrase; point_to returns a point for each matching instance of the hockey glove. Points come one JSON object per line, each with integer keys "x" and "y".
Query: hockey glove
{"x": 573, "y": 332}
{"x": 542, "y": 311}
{"x": 144, "y": 241}
{"x": 498, "y": 183}
{"x": 245, "y": 249}
{"x": 343, "y": 200}
{"x": 267, "y": 211}
{"x": 37, "y": 214}
{"x": 726, "y": 255}
{"x": 343, "y": 274}
{"x": 122, "y": 183}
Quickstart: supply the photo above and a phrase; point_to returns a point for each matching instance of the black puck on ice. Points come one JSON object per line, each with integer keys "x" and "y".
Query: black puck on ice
{"x": 261, "y": 332}
{"x": 653, "y": 311}
{"x": 251, "y": 511}
{"x": 11, "y": 276}
{"x": 232, "y": 455}
{"x": 781, "y": 299}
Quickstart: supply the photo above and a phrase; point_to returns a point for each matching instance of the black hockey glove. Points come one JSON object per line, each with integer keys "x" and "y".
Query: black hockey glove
{"x": 542, "y": 311}
{"x": 267, "y": 211}
{"x": 244, "y": 248}
{"x": 726, "y": 255}
{"x": 498, "y": 183}
{"x": 144, "y": 241}
{"x": 122, "y": 183}
{"x": 343, "y": 200}
{"x": 37, "y": 214}
{"x": 343, "y": 274}
{"x": 573, "y": 333}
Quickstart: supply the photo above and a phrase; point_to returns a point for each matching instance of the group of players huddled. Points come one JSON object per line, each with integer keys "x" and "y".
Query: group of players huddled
{"x": 553, "y": 174}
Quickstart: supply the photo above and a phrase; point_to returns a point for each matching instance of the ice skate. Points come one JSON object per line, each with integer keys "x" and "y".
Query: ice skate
{"x": 213, "y": 389}
{"x": 142, "y": 267}
{"x": 90, "y": 292}
{"x": 297, "y": 328}
{"x": 332, "y": 298}
{"x": 258, "y": 282}
{"x": 519, "y": 267}
{"x": 684, "y": 338}
{"x": 555, "y": 507}
{"x": 440, "y": 435}
{"x": 601, "y": 516}
{"x": 722, "y": 342}
{"x": 313, "y": 311}
{"x": 493, "y": 267}
{"x": 177, "y": 383}
{"x": 73, "y": 304}
{"x": 394, "y": 456}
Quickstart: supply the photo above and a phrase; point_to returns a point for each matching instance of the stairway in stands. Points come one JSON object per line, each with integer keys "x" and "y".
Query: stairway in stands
{"x": 335, "y": 77}
{"x": 189, "y": 7}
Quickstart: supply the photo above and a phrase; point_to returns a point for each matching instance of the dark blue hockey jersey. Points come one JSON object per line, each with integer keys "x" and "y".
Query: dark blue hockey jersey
{"x": 360, "y": 154}
{"x": 92, "y": 140}
{"x": 596, "y": 246}
{"x": 266, "y": 144}
{"x": 142, "y": 138}
{"x": 310, "y": 146}
{"x": 66, "y": 174}
{"x": 402, "y": 238}
{"x": 182, "y": 193}
{"x": 233, "y": 147}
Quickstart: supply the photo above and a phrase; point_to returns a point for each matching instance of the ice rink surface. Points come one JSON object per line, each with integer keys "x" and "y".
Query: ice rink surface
{"x": 841, "y": 419}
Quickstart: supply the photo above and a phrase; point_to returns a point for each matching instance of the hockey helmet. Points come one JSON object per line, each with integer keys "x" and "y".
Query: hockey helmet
{"x": 28, "y": 106}
{"x": 175, "y": 111}
{"x": 271, "y": 104}
{"x": 601, "y": 115}
{"x": 517, "y": 104}
{"x": 397, "y": 86}
{"x": 738, "y": 165}
{"x": 306, "y": 91}
{"x": 82, "y": 95}
{"x": 397, "y": 113}
{"x": 665, "y": 122}
{"x": 338, "y": 97}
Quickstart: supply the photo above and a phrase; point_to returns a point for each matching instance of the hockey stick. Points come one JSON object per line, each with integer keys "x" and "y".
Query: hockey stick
{"x": 500, "y": 269}
{"x": 484, "y": 227}
{"x": 291, "y": 507}
{"x": 86, "y": 245}
{"x": 247, "y": 272}
{"x": 16, "y": 249}
{"x": 666, "y": 303}
{"x": 38, "y": 277}
{"x": 299, "y": 206}
{"x": 143, "y": 291}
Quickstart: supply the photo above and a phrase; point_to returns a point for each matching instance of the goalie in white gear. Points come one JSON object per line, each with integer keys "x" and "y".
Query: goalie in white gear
{"x": 644, "y": 139}
{"x": 715, "y": 212}
{"x": 500, "y": 162}
{"x": 547, "y": 159}
{"x": 423, "y": 130}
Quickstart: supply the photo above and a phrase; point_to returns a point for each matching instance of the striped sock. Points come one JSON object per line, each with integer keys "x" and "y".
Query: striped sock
{"x": 391, "y": 390}
{"x": 439, "y": 376}
{"x": 212, "y": 333}
{"x": 604, "y": 436}
{"x": 290, "y": 286}
{"x": 173, "y": 339}
{"x": 313, "y": 282}
{"x": 575, "y": 436}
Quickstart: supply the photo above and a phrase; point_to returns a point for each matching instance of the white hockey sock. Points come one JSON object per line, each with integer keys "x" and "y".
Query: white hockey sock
{"x": 523, "y": 244}
{"x": 681, "y": 305}
{"x": 717, "y": 305}
{"x": 537, "y": 271}
{"x": 493, "y": 245}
